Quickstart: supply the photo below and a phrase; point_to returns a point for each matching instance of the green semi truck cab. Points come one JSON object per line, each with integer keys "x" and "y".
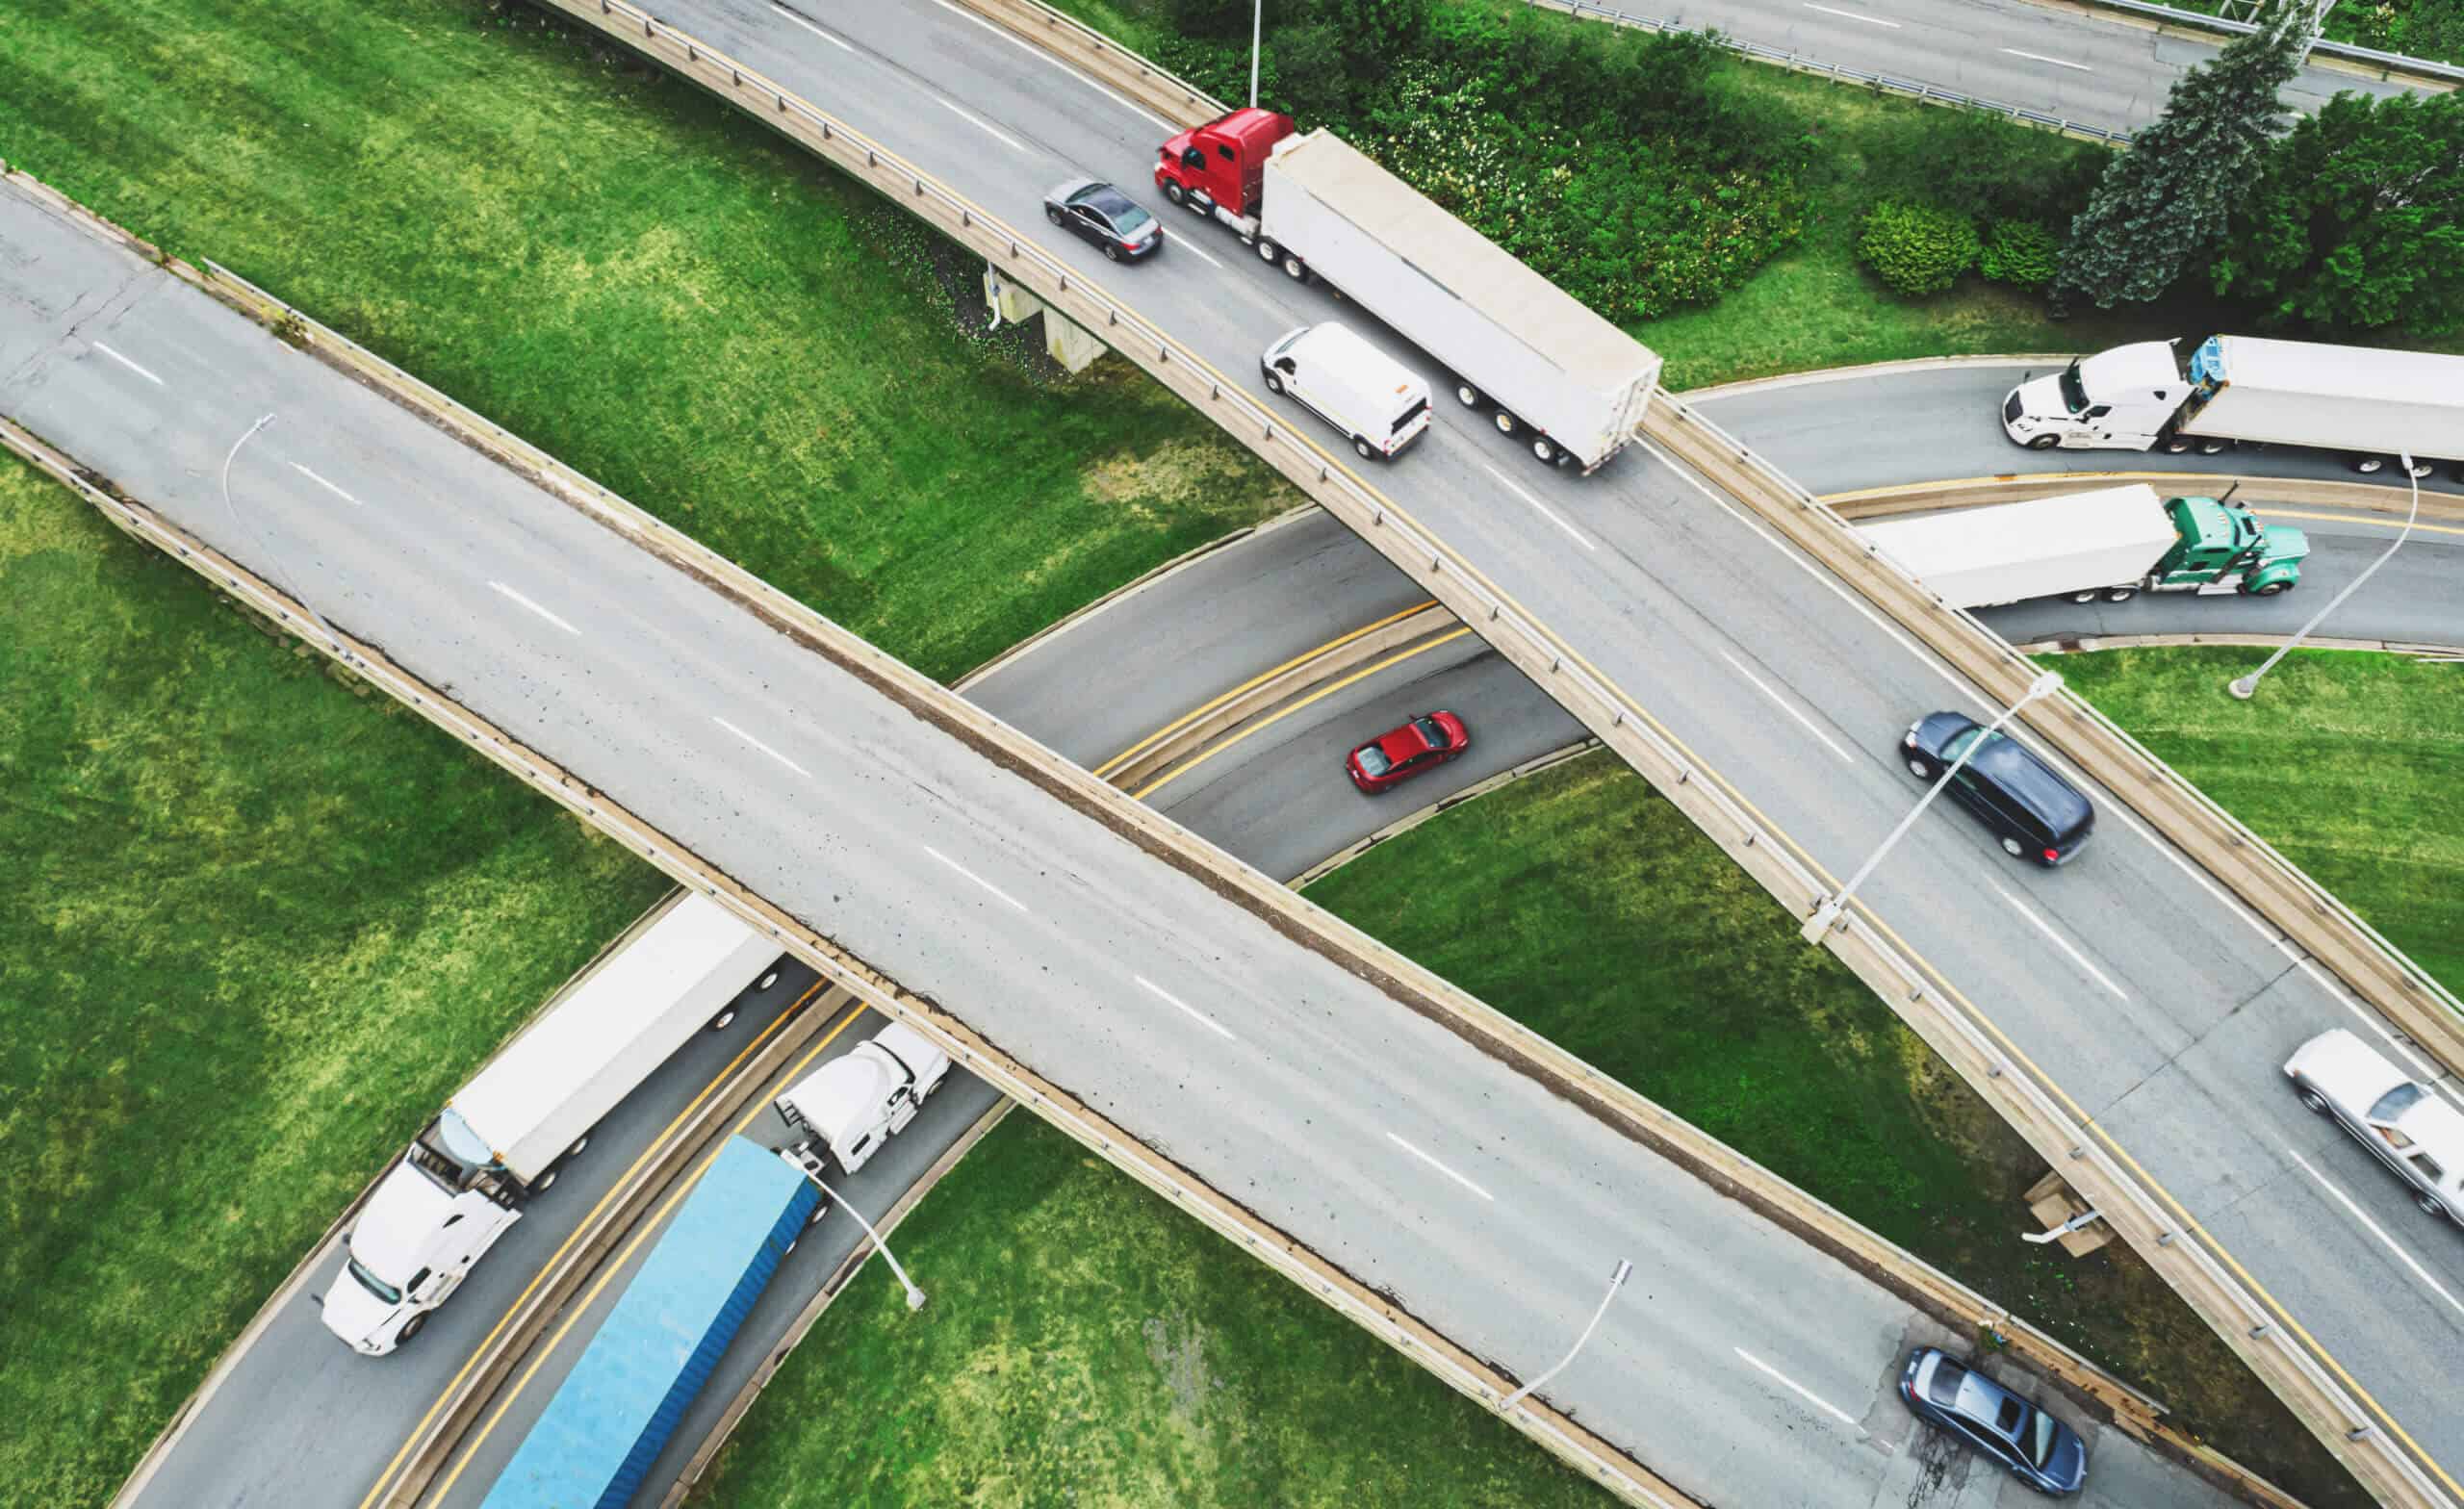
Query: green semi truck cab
{"x": 2217, "y": 548}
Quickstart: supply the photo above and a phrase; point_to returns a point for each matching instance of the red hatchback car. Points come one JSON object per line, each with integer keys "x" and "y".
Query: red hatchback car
{"x": 1423, "y": 744}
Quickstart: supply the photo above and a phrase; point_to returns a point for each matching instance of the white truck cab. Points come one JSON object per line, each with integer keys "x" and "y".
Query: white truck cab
{"x": 2122, "y": 398}
{"x": 855, "y": 1103}
{"x": 414, "y": 1242}
{"x": 1378, "y": 404}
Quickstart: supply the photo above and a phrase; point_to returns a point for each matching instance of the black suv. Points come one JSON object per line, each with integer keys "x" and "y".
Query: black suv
{"x": 2036, "y": 813}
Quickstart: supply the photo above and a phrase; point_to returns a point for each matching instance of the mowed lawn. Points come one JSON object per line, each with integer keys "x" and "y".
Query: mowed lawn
{"x": 646, "y": 282}
{"x": 258, "y": 928}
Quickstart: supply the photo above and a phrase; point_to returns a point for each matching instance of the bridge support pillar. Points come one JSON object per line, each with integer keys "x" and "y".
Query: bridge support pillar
{"x": 1065, "y": 340}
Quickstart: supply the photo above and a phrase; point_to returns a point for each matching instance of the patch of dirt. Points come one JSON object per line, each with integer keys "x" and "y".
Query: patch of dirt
{"x": 1174, "y": 472}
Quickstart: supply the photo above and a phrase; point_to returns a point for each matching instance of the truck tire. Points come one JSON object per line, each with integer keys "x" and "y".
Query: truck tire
{"x": 768, "y": 980}
{"x": 2088, "y": 596}
{"x": 2121, "y": 594}
{"x": 2211, "y": 448}
{"x": 1274, "y": 382}
{"x": 1174, "y": 192}
{"x": 547, "y": 1179}
{"x": 411, "y": 1328}
{"x": 1269, "y": 252}
{"x": 2043, "y": 442}
{"x": 581, "y": 1143}
{"x": 2269, "y": 589}
{"x": 2369, "y": 466}
{"x": 1295, "y": 268}
{"x": 1546, "y": 450}
{"x": 2175, "y": 445}
{"x": 1467, "y": 394}
{"x": 1363, "y": 449}
{"x": 726, "y": 1016}
{"x": 1505, "y": 422}
{"x": 2422, "y": 469}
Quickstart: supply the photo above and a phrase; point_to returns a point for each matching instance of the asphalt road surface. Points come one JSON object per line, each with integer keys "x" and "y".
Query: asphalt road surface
{"x": 2151, "y": 999}
{"x": 1405, "y": 1155}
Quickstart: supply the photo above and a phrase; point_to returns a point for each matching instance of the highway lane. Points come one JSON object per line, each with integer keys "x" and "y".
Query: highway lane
{"x": 1668, "y": 589}
{"x": 1404, "y": 1154}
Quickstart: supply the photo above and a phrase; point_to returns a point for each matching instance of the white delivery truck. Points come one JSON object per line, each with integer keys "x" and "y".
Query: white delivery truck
{"x": 848, "y": 1107}
{"x": 1572, "y": 385}
{"x": 2371, "y": 406}
{"x": 503, "y": 1136}
{"x": 2113, "y": 543}
{"x": 1375, "y": 401}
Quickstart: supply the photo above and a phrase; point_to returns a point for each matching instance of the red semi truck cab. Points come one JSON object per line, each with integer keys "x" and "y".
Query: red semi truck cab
{"x": 1219, "y": 169}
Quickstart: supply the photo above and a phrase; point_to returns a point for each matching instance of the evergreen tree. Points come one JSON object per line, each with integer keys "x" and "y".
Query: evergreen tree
{"x": 2163, "y": 202}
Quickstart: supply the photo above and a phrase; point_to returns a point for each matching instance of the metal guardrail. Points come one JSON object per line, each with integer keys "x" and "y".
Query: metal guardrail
{"x": 2392, "y": 62}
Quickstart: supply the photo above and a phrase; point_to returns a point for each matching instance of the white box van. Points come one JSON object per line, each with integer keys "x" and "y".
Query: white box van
{"x": 1376, "y": 401}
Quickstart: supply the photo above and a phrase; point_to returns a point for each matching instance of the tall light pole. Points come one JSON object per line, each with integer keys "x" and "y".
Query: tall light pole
{"x": 1616, "y": 1282}
{"x": 1828, "y": 914}
{"x": 273, "y": 569}
{"x": 914, "y": 1296}
{"x": 1257, "y": 24}
{"x": 2244, "y": 686}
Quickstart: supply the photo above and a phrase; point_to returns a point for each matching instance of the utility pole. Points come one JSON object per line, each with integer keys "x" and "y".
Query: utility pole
{"x": 1257, "y": 25}
{"x": 2246, "y": 686}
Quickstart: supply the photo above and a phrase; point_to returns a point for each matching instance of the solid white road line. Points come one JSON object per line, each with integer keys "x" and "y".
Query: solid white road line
{"x": 838, "y": 42}
{"x": 1183, "y": 242}
{"x": 2034, "y": 57}
{"x": 327, "y": 486}
{"x": 1869, "y": 21}
{"x": 1809, "y": 724}
{"x": 1034, "y": 51}
{"x": 764, "y": 748}
{"x": 2405, "y": 1257}
{"x": 125, "y": 362}
{"x": 1209, "y": 1021}
{"x": 534, "y": 607}
{"x": 977, "y": 879}
{"x": 1441, "y": 1168}
{"x": 1545, "y": 511}
{"x": 2060, "y": 942}
{"x": 982, "y": 125}
{"x": 1796, "y": 1387}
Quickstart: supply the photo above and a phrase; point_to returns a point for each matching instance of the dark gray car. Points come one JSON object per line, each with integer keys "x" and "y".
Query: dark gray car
{"x": 1104, "y": 217}
{"x": 2031, "y": 1444}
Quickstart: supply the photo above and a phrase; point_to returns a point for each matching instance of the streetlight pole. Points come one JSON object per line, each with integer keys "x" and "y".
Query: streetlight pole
{"x": 2244, "y": 686}
{"x": 1616, "y": 1282}
{"x": 273, "y": 569}
{"x": 1257, "y": 25}
{"x": 1828, "y": 914}
{"x": 914, "y": 1296}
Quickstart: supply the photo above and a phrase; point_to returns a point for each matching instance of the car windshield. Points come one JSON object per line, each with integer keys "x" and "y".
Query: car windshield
{"x": 2391, "y": 1106}
{"x": 2074, "y": 392}
{"x": 2040, "y": 1440}
{"x": 375, "y": 1285}
{"x": 1115, "y": 206}
{"x": 1372, "y": 759}
{"x": 1433, "y": 731}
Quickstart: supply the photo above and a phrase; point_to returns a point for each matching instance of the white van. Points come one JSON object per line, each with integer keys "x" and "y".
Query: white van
{"x": 1377, "y": 402}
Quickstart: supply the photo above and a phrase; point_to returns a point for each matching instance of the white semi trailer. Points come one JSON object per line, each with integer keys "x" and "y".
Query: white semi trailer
{"x": 848, "y": 1107}
{"x": 504, "y": 1137}
{"x": 1571, "y": 385}
{"x": 2113, "y": 543}
{"x": 2371, "y": 406}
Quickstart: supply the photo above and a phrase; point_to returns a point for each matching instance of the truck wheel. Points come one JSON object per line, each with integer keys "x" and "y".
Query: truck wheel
{"x": 2210, "y": 447}
{"x": 1361, "y": 447}
{"x": 1545, "y": 450}
{"x": 1295, "y": 268}
{"x": 2043, "y": 442}
{"x": 548, "y": 1180}
{"x": 2121, "y": 594}
{"x": 1269, "y": 252}
{"x": 1274, "y": 382}
{"x": 1467, "y": 394}
{"x": 1174, "y": 192}
{"x": 767, "y": 981}
{"x": 1505, "y": 422}
{"x": 2088, "y": 596}
{"x": 2269, "y": 589}
{"x": 2422, "y": 469}
{"x": 411, "y": 1328}
{"x": 579, "y": 1143}
{"x": 2175, "y": 445}
{"x": 719, "y": 1023}
{"x": 2369, "y": 464}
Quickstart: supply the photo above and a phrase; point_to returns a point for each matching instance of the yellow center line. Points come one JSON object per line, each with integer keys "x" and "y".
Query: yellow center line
{"x": 1281, "y": 713}
{"x": 2372, "y": 520}
{"x": 386, "y": 1477}
{"x": 1339, "y": 640}
{"x": 682, "y": 1190}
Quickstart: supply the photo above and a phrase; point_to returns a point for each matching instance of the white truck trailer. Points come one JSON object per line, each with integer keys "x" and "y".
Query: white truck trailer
{"x": 2371, "y": 406}
{"x": 1570, "y": 384}
{"x": 2113, "y": 543}
{"x": 848, "y": 1107}
{"x": 504, "y": 1138}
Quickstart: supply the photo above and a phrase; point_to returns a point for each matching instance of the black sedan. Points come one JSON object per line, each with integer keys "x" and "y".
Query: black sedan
{"x": 2031, "y": 1444}
{"x": 2036, "y": 813}
{"x": 1105, "y": 216}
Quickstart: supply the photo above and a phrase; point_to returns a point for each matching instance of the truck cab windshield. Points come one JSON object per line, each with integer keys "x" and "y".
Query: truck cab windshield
{"x": 373, "y": 1284}
{"x": 2074, "y": 392}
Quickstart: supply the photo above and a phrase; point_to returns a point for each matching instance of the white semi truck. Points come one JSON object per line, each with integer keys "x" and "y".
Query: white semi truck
{"x": 2371, "y": 406}
{"x": 504, "y": 1137}
{"x": 1571, "y": 385}
{"x": 848, "y": 1107}
{"x": 2113, "y": 544}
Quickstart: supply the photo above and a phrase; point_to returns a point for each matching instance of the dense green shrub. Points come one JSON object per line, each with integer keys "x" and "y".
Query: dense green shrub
{"x": 1917, "y": 248}
{"x": 1984, "y": 167}
{"x": 2021, "y": 252}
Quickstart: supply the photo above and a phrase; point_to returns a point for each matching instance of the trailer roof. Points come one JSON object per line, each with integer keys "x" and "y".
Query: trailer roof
{"x": 1468, "y": 265}
{"x": 1935, "y": 544}
{"x": 2344, "y": 372}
